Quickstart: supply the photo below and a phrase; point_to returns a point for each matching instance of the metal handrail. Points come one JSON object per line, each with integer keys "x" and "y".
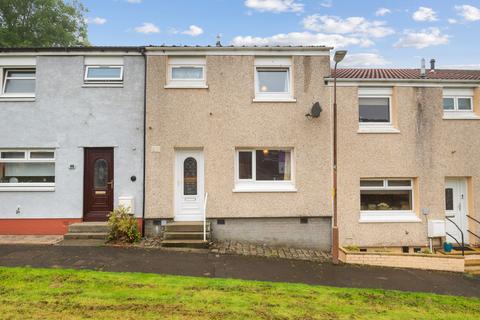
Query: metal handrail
{"x": 471, "y": 232}
{"x": 205, "y": 217}
{"x": 461, "y": 232}
{"x": 474, "y": 234}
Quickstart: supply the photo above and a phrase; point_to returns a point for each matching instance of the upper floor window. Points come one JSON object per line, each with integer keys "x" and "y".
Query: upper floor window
{"x": 27, "y": 170}
{"x": 103, "y": 71}
{"x": 458, "y": 103}
{"x": 375, "y": 110}
{"x": 18, "y": 82}
{"x": 273, "y": 79}
{"x": 104, "y": 74}
{"x": 186, "y": 72}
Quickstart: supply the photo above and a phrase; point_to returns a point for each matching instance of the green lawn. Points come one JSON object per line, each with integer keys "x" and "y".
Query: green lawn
{"x": 27, "y": 293}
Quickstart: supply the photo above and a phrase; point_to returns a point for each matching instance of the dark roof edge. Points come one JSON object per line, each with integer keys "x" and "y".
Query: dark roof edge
{"x": 73, "y": 49}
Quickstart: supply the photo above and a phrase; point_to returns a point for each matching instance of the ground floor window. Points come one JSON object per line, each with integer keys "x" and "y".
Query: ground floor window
{"x": 27, "y": 170}
{"x": 264, "y": 169}
{"x": 387, "y": 200}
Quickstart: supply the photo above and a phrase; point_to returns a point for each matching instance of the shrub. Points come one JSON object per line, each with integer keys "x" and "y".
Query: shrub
{"x": 123, "y": 226}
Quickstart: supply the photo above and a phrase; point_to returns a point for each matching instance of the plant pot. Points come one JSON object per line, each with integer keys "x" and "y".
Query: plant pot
{"x": 447, "y": 247}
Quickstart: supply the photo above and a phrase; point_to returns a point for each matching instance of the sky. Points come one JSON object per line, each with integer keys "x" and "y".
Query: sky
{"x": 387, "y": 33}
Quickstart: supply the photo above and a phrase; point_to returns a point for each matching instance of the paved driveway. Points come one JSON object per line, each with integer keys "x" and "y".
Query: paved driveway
{"x": 240, "y": 267}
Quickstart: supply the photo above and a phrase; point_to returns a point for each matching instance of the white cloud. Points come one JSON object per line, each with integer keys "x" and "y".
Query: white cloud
{"x": 96, "y": 20}
{"x": 425, "y": 14}
{"x": 275, "y": 5}
{"x": 134, "y": 1}
{"x": 422, "y": 39}
{"x": 193, "y": 31}
{"x": 351, "y": 25}
{"x": 327, "y": 3}
{"x": 382, "y": 12}
{"x": 463, "y": 66}
{"x": 302, "y": 38}
{"x": 469, "y": 13}
{"x": 364, "y": 60}
{"x": 452, "y": 21}
{"x": 147, "y": 27}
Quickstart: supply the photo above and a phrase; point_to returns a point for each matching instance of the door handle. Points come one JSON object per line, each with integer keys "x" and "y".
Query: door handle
{"x": 110, "y": 183}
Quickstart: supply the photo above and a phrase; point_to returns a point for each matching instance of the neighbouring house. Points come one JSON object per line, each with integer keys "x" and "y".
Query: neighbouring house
{"x": 231, "y": 122}
{"x": 71, "y": 136}
{"x": 408, "y": 153}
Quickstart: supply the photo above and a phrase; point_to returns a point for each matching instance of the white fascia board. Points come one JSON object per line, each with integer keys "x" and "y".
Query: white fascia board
{"x": 240, "y": 51}
{"x": 17, "y": 61}
{"x": 103, "y": 61}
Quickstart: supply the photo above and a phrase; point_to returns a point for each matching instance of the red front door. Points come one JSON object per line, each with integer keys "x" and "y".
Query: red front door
{"x": 98, "y": 184}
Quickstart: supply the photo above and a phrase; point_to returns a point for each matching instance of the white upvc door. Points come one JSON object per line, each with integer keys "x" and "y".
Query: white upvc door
{"x": 189, "y": 185}
{"x": 456, "y": 208}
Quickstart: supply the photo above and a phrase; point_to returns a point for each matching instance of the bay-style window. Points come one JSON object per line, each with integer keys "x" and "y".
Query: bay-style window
{"x": 387, "y": 200}
{"x": 27, "y": 170}
{"x": 273, "y": 79}
{"x": 375, "y": 110}
{"x": 186, "y": 72}
{"x": 458, "y": 103}
{"x": 264, "y": 170}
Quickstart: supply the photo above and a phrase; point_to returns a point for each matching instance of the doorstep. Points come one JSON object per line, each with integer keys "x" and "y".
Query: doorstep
{"x": 30, "y": 239}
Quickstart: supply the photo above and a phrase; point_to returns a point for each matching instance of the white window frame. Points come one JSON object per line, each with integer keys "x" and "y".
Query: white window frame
{"x": 103, "y": 80}
{"x": 186, "y": 62}
{"x": 376, "y": 127}
{"x": 252, "y": 185}
{"x": 372, "y": 216}
{"x": 4, "y": 72}
{"x": 455, "y": 113}
{"x": 273, "y": 63}
{"x": 48, "y": 186}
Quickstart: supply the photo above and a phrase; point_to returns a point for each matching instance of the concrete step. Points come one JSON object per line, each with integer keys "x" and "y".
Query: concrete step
{"x": 86, "y": 235}
{"x": 194, "y": 235}
{"x": 82, "y": 243}
{"x": 185, "y": 243}
{"x": 88, "y": 227}
{"x": 185, "y": 227}
{"x": 472, "y": 262}
{"x": 472, "y": 268}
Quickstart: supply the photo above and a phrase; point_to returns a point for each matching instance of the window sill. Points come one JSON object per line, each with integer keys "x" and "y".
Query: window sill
{"x": 461, "y": 116}
{"x": 377, "y": 129}
{"x": 388, "y": 217}
{"x": 185, "y": 86}
{"x": 28, "y": 189}
{"x": 17, "y": 99}
{"x": 264, "y": 188}
{"x": 274, "y": 100}
{"x": 102, "y": 85}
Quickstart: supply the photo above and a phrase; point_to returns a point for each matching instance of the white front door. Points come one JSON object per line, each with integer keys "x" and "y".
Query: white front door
{"x": 189, "y": 185}
{"x": 456, "y": 209}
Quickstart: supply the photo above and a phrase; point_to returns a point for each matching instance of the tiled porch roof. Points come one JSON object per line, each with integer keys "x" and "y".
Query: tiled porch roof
{"x": 407, "y": 74}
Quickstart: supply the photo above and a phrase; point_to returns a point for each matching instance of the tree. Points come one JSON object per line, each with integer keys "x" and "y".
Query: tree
{"x": 42, "y": 23}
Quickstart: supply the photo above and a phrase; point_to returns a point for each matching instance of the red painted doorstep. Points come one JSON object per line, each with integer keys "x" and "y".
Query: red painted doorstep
{"x": 35, "y": 226}
{"x": 40, "y": 226}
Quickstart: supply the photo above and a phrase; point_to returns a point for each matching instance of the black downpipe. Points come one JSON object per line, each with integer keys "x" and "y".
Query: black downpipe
{"x": 142, "y": 50}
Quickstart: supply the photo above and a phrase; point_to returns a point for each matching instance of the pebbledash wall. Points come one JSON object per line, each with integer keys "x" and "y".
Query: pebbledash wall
{"x": 67, "y": 116}
{"x": 222, "y": 117}
{"x": 426, "y": 148}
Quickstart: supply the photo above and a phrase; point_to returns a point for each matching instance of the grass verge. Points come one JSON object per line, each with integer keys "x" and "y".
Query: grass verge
{"x": 27, "y": 293}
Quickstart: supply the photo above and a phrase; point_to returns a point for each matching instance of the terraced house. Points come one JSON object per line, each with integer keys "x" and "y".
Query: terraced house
{"x": 238, "y": 146}
{"x": 408, "y": 155}
{"x": 71, "y": 136}
{"x": 228, "y": 139}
